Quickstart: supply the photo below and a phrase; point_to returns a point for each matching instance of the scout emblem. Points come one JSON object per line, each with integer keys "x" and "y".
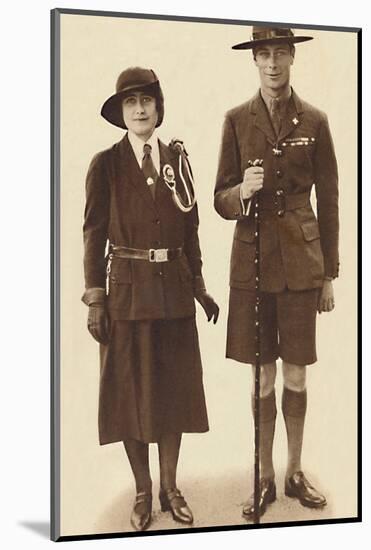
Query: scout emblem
{"x": 169, "y": 178}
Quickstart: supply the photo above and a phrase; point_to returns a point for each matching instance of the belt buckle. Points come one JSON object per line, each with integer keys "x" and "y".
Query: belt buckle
{"x": 158, "y": 255}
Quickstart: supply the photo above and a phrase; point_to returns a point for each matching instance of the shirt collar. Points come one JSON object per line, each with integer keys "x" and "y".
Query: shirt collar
{"x": 138, "y": 144}
{"x": 283, "y": 98}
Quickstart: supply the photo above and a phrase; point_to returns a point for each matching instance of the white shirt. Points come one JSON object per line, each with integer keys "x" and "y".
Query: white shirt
{"x": 138, "y": 144}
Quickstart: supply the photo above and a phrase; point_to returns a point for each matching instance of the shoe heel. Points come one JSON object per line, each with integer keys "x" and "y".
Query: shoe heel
{"x": 289, "y": 492}
{"x": 274, "y": 495}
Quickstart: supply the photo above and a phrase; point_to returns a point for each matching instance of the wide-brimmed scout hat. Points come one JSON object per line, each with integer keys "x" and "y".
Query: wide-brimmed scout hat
{"x": 270, "y": 35}
{"x": 130, "y": 80}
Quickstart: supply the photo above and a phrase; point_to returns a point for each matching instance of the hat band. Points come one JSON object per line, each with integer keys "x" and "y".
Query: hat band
{"x": 272, "y": 33}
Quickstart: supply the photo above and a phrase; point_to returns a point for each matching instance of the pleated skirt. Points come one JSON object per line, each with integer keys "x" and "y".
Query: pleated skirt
{"x": 151, "y": 381}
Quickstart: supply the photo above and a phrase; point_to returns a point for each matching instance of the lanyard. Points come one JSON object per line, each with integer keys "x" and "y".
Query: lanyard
{"x": 169, "y": 178}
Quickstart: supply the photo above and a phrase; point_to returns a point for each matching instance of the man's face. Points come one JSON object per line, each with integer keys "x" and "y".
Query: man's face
{"x": 274, "y": 62}
{"x": 140, "y": 114}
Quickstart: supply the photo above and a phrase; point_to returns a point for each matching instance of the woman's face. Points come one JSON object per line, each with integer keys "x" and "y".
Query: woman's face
{"x": 140, "y": 114}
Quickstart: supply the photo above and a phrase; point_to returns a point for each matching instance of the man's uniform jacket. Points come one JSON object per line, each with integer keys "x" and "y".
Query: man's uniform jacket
{"x": 120, "y": 208}
{"x": 296, "y": 250}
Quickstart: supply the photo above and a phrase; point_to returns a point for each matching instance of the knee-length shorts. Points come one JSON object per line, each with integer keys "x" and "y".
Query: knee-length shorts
{"x": 287, "y": 323}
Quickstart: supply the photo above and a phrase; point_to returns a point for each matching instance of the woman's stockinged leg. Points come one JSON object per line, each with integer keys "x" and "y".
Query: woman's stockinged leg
{"x": 137, "y": 453}
{"x": 170, "y": 497}
{"x": 168, "y": 447}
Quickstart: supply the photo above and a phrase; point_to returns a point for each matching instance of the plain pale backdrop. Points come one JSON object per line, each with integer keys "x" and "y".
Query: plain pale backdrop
{"x": 201, "y": 78}
{"x": 25, "y": 195}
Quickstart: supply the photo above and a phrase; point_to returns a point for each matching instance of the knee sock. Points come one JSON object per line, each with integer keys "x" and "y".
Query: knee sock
{"x": 268, "y": 413}
{"x": 294, "y": 406}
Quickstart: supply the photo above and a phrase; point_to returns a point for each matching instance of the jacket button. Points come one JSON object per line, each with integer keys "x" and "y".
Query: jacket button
{"x": 279, "y": 174}
{"x": 280, "y": 213}
{"x": 279, "y": 192}
{"x": 156, "y": 221}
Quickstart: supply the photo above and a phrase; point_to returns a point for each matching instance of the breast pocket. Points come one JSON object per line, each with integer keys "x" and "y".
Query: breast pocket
{"x": 299, "y": 151}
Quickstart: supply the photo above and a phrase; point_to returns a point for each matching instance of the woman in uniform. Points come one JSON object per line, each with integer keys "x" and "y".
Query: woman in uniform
{"x": 142, "y": 268}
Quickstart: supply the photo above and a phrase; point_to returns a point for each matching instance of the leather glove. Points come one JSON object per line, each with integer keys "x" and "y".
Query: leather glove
{"x": 210, "y": 307}
{"x": 98, "y": 323}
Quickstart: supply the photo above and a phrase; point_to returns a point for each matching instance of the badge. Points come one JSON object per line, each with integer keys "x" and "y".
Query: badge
{"x": 168, "y": 173}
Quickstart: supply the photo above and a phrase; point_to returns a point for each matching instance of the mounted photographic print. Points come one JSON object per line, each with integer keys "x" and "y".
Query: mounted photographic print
{"x": 205, "y": 259}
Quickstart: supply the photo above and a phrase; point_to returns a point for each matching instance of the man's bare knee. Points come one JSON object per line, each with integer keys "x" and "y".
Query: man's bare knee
{"x": 294, "y": 376}
{"x": 268, "y": 373}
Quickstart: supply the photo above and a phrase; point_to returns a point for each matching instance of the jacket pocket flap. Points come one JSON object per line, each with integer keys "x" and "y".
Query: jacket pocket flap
{"x": 245, "y": 232}
{"x": 120, "y": 271}
{"x": 310, "y": 230}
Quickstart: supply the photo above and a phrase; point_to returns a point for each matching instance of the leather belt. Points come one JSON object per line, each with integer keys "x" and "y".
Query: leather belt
{"x": 281, "y": 202}
{"x": 151, "y": 255}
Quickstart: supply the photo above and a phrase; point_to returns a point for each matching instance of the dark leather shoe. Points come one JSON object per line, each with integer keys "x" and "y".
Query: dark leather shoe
{"x": 141, "y": 515}
{"x": 267, "y": 496}
{"x": 297, "y": 486}
{"x": 173, "y": 501}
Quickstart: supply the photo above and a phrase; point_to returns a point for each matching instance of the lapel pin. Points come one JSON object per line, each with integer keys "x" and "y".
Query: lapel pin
{"x": 150, "y": 181}
{"x": 295, "y": 121}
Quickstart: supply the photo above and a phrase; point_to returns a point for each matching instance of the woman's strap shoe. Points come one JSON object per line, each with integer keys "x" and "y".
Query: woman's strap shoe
{"x": 141, "y": 515}
{"x": 297, "y": 486}
{"x": 173, "y": 501}
{"x": 267, "y": 496}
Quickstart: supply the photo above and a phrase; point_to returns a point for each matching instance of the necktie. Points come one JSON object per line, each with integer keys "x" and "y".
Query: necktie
{"x": 275, "y": 115}
{"x": 148, "y": 168}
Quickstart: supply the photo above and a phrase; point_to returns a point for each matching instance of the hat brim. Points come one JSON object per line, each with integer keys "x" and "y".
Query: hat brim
{"x": 287, "y": 39}
{"x": 112, "y": 108}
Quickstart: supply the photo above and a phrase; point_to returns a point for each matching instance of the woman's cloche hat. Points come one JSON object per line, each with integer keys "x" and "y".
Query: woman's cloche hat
{"x": 133, "y": 79}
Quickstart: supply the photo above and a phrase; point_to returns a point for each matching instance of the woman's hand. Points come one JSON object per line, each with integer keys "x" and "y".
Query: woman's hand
{"x": 98, "y": 323}
{"x": 326, "y": 300}
{"x": 210, "y": 307}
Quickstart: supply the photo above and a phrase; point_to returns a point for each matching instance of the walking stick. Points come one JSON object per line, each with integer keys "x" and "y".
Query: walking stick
{"x": 256, "y": 516}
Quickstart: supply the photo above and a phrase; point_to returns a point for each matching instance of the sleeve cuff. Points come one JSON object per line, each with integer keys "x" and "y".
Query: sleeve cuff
{"x": 199, "y": 283}
{"x": 331, "y": 274}
{"x": 94, "y": 296}
{"x": 245, "y": 204}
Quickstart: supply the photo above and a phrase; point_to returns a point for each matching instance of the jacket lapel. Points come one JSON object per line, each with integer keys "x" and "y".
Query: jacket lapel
{"x": 130, "y": 171}
{"x": 291, "y": 120}
{"x": 262, "y": 119}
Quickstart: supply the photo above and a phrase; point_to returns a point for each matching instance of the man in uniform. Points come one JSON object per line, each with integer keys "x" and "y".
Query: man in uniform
{"x": 279, "y": 146}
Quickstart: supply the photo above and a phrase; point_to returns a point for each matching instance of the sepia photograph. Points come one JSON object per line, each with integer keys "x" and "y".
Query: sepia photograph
{"x": 205, "y": 192}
